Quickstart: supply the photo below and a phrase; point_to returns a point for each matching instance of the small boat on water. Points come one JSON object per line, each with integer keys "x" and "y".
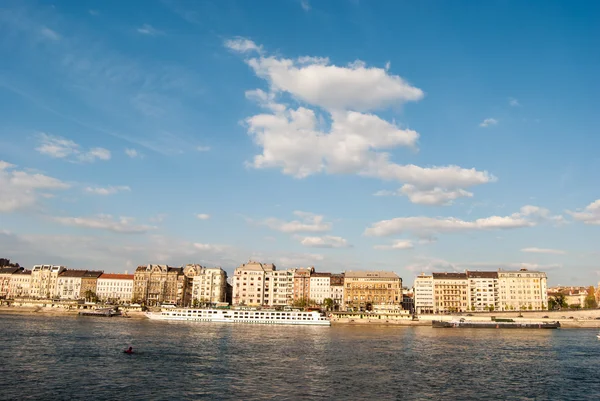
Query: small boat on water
{"x": 262, "y": 316}
{"x": 104, "y": 312}
{"x": 497, "y": 324}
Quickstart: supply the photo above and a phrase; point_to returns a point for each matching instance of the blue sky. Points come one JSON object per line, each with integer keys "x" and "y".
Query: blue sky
{"x": 404, "y": 136}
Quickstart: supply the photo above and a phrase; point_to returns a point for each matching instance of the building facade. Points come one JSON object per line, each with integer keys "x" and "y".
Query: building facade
{"x": 249, "y": 283}
{"x": 209, "y": 285}
{"x": 522, "y": 290}
{"x": 302, "y": 285}
{"x": 89, "y": 283}
{"x": 484, "y": 291}
{"x": 68, "y": 285}
{"x": 279, "y": 287}
{"x": 6, "y": 274}
{"x": 44, "y": 279}
{"x": 337, "y": 291}
{"x": 115, "y": 288}
{"x": 319, "y": 287}
{"x": 159, "y": 284}
{"x": 423, "y": 292}
{"x": 451, "y": 292}
{"x": 19, "y": 284}
{"x": 363, "y": 290}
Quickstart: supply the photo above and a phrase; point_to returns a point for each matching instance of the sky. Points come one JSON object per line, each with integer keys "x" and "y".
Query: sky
{"x": 347, "y": 134}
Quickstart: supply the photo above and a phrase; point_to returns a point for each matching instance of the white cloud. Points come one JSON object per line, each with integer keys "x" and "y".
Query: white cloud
{"x": 110, "y": 190}
{"x": 333, "y": 131}
{"x": 148, "y": 29}
{"x": 203, "y": 148}
{"x": 20, "y": 190}
{"x": 432, "y": 196}
{"x": 94, "y": 12}
{"x": 305, "y": 5}
{"x": 544, "y": 250}
{"x": 488, "y": 121}
{"x": 528, "y": 216}
{"x": 326, "y": 241}
{"x": 203, "y": 216}
{"x": 309, "y": 222}
{"x": 105, "y": 222}
{"x": 398, "y": 244}
{"x": 50, "y": 34}
{"x": 62, "y": 148}
{"x": 513, "y": 102}
{"x": 589, "y": 215}
{"x": 210, "y": 247}
{"x": 242, "y": 45}
{"x": 132, "y": 153}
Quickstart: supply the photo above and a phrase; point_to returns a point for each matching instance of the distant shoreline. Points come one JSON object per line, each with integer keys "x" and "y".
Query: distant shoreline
{"x": 581, "y": 319}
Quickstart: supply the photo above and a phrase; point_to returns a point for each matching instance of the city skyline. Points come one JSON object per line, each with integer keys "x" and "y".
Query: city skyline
{"x": 197, "y": 133}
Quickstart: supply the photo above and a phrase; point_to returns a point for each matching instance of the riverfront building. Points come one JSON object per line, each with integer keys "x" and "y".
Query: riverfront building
{"x": 19, "y": 284}
{"x": 522, "y": 290}
{"x": 248, "y": 283}
{"x": 68, "y": 285}
{"x": 450, "y": 292}
{"x": 363, "y": 290}
{"x": 279, "y": 287}
{"x": 6, "y": 274}
{"x": 158, "y": 284}
{"x": 484, "y": 291}
{"x": 320, "y": 287}
{"x": 302, "y": 285}
{"x": 209, "y": 285}
{"x": 337, "y": 290}
{"x": 44, "y": 279}
{"x": 423, "y": 291}
{"x": 115, "y": 288}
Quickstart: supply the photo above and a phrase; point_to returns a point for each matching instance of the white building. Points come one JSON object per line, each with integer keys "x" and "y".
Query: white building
{"x": 209, "y": 285}
{"x": 116, "y": 288}
{"x": 320, "y": 287}
{"x": 19, "y": 284}
{"x": 6, "y": 274}
{"x": 522, "y": 290}
{"x": 484, "y": 291}
{"x": 68, "y": 284}
{"x": 249, "y": 283}
{"x": 44, "y": 280}
{"x": 423, "y": 293}
{"x": 279, "y": 287}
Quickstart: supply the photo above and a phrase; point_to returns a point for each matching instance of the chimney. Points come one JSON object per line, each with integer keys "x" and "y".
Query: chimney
{"x": 126, "y": 272}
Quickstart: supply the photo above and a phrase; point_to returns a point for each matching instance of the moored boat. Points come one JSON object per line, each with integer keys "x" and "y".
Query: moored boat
{"x": 505, "y": 324}
{"x": 301, "y": 318}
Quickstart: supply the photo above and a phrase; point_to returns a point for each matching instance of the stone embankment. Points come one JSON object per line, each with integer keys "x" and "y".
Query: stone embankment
{"x": 54, "y": 310}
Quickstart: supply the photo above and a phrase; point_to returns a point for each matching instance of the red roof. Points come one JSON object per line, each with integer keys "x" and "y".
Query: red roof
{"x": 117, "y": 276}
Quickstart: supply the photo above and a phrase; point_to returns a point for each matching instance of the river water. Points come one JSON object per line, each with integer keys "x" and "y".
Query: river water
{"x": 71, "y": 358}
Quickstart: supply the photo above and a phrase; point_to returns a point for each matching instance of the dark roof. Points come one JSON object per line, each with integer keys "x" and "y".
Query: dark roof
{"x": 10, "y": 270}
{"x": 117, "y": 276}
{"x": 73, "y": 273}
{"x": 478, "y": 274}
{"x": 93, "y": 273}
{"x": 450, "y": 276}
{"x": 320, "y": 275}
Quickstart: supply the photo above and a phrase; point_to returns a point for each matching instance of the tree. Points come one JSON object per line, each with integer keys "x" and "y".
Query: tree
{"x": 557, "y": 301}
{"x": 90, "y": 296}
{"x": 590, "y": 299}
{"x": 491, "y": 308}
{"x": 328, "y": 302}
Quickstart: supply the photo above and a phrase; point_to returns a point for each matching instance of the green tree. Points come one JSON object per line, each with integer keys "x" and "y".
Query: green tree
{"x": 328, "y": 302}
{"x": 557, "y": 301}
{"x": 590, "y": 299}
{"x": 90, "y": 296}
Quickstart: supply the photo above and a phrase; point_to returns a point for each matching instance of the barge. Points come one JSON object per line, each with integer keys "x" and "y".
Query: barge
{"x": 107, "y": 312}
{"x": 498, "y": 324}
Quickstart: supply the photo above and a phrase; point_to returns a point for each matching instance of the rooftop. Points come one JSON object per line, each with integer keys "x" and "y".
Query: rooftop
{"x": 117, "y": 276}
{"x": 73, "y": 273}
{"x": 479, "y": 274}
{"x": 450, "y": 276}
{"x": 370, "y": 273}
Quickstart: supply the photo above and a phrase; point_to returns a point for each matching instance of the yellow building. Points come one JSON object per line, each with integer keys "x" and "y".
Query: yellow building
{"x": 158, "y": 284}
{"x": 523, "y": 290}
{"x": 363, "y": 290}
{"x": 450, "y": 292}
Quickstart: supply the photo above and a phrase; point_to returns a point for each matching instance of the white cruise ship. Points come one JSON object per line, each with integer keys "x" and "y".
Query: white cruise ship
{"x": 241, "y": 316}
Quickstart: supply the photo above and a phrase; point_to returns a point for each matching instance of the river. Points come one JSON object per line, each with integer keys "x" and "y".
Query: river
{"x": 70, "y": 358}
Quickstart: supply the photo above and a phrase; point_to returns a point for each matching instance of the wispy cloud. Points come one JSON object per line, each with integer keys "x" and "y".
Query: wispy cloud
{"x": 132, "y": 153}
{"x": 203, "y": 148}
{"x": 305, "y": 4}
{"x": 50, "y": 34}
{"x": 544, "y": 250}
{"x": 148, "y": 29}
{"x": 513, "y": 102}
{"x": 203, "y": 216}
{"x": 62, "y": 148}
{"x": 106, "y": 222}
{"x": 110, "y": 190}
{"x": 94, "y": 12}
{"x": 488, "y": 121}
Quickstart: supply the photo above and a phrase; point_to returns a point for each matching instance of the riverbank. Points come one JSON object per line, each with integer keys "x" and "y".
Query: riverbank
{"x": 57, "y": 311}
